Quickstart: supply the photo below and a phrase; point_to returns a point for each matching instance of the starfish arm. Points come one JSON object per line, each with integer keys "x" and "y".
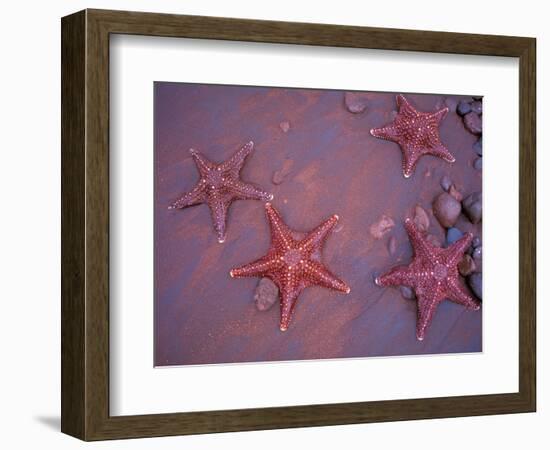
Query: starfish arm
{"x": 389, "y": 133}
{"x": 410, "y": 158}
{"x": 405, "y": 107}
{"x": 397, "y": 276}
{"x": 442, "y": 152}
{"x": 281, "y": 235}
{"x": 317, "y": 237}
{"x": 247, "y": 191}
{"x": 318, "y": 275}
{"x": 426, "y": 306}
{"x": 458, "y": 294}
{"x": 203, "y": 164}
{"x": 455, "y": 252}
{"x": 193, "y": 197}
{"x": 218, "y": 210}
{"x": 420, "y": 245}
{"x": 235, "y": 163}
{"x": 438, "y": 116}
{"x": 289, "y": 296}
{"x": 259, "y": 268}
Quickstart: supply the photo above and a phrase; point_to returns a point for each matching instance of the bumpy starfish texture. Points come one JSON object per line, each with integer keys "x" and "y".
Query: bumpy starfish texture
{"x": 219, "y": 186}
{"x": 293, "y": 264}
{"x": 433, "y": 274}
{"x": 417, "y": 133}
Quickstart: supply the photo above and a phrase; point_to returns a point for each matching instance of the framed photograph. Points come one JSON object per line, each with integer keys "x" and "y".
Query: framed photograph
{"x": 270, "y": 224}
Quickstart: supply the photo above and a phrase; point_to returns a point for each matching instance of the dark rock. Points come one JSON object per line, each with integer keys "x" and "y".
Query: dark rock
{"x": 466, "y": 266}
{"x": 446, "y": 209}
{"x": 266, "y": 295}
{"x": 477, "y": 253}
{"x": 453, "y": 235}
{"x": 407, "y": 292}
{"x": 477, "y": 106}
{"x": 392, "y": 245}
{"x": 478, "y": 163}
{"x": 356, "y": 102}
{"x": 473, "y": 124}
{"x": 446, "y": 183}
{"x": 476, "y": 242}
{"x": 463, "y": 108}
{"x": 284, "y": 126}
{"x": 478, "y": 146}
{"x": 472, "y": 207}
{"x": 421, "y": 219}
{"x": 475, "y": 282}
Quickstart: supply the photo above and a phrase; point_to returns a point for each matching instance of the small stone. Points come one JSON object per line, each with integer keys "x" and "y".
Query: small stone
{"x": 478, "y": 146}
{"x": 476, "y": 242}
{"x": 284, "y": 126}
{"x": 383, "y": 226}
{"x": 266, "y": 295}
{"x": 446, "y": 183}
{"x": 453, "y": 235}
{"x": 466, "y": 266}
{"x": 421, "y": 219}
{"x": 455, "y": 194}
{"x": 463, "y": 108}
{"x": 356, "y": 102}
{"x": 477, "y": 106}
{"x": 475, "y": 282}
{"x": 407, "y": 292}
{"x": 472, "y": 207}
{"x": 392, "y": 245}
{"x": 473, "y": 124}
{"x": 478, "y": 163}
{"x": 477, "y": 253}
{"x": 446, "y": 209}
{"x": 280, "y": 175}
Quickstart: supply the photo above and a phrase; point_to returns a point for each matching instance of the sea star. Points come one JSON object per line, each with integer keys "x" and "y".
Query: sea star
{"x": 293, "y": 264}
{"x": 417, "y": 134}
{"x": 219, "y": 186}
{"x": 433, "y": 275}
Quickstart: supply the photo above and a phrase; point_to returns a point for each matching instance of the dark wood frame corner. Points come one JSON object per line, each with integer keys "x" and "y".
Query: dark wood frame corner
{"x": 85, "y": 224}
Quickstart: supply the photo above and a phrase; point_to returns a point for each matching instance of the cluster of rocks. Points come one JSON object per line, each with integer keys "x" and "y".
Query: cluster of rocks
{"x": 471, "y": 112}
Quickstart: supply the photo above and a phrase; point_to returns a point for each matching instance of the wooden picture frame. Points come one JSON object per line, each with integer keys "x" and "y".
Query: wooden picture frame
{"x": 85, "y": 224}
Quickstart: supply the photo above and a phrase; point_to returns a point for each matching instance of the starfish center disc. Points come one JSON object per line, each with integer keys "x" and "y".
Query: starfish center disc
{"x": 440, "y": 272}
{"x": 215, "y": 178}
{"x": 292, "y": 257}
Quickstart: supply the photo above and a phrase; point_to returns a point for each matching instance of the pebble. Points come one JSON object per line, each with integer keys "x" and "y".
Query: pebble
{"x": 446, "y": 183}
{"x": 454, "y": 192}
{"x": 266, "y": 295}
{"x": 356, "y": 102}
{"x": 473, "y": 124}
{"x": 478, "y": 146}
{"x": 446, "y": 209}
{"x": 284, "y": 126}
{"x": 472, "y": 207}
{"x": 477, "y": 107}
{"x": 392, "y": 245}
{"x": 477, "y": 253}
{"x": 407, "y": 292}
{"x": 466, "y": 266}
{"x": 421, "y": 219}
{"x": 478, "y": 163}
{"x": 453, "y": 235}
{"x": 463, "y": 108}
{"x": 476, "y": 284}
{"x": 383, "y": 226}
{"x": 476, "y": 242}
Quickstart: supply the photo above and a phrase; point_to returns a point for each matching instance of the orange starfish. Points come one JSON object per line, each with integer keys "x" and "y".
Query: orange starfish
{"x": 417, "y": 133}
{"x": 293, "y": 264}
{"x": 433, "y": 274}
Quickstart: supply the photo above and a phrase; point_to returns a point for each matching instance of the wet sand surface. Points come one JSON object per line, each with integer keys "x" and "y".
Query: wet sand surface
{"x": 334, "y": 166}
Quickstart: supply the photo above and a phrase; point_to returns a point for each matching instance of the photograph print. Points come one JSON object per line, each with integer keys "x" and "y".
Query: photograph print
{"x": 304, "y": 224}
